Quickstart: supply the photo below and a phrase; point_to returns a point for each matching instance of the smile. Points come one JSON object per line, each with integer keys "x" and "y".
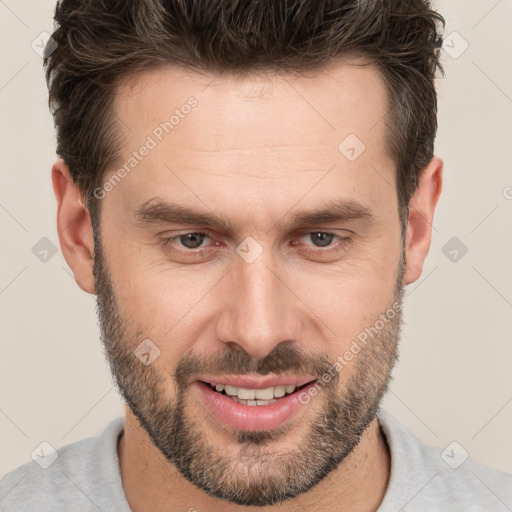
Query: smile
{"x": 251, "y": 408}
{"x": 253, "y": 397}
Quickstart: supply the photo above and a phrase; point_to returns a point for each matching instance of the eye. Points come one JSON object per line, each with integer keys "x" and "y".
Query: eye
{"x": 186, "y": 240}
{"x": 321, "y": 238}
{"x": 323, "y": 242}
{"x": 192, "y": 240}
{"x": 197, "y": 244}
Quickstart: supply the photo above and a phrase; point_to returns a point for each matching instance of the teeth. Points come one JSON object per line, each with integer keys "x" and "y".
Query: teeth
{"x": 246, "y": 394}
{"x": 264, "y": 394}
{"x": 279, "y": 391}
{"x": 255, "y": 395}
{"x": 253, "y": 402}
{"x": 231, "y": 390}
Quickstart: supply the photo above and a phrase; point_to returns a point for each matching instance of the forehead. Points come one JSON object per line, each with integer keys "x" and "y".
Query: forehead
{"x": 257, "y": 134}
{"x": 343, "y": 96}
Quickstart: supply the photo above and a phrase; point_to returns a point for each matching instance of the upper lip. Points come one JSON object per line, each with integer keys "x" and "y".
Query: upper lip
{"x": 257, "y": 382}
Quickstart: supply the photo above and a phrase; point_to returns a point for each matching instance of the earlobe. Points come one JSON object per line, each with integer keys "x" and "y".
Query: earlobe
{"x": 421, "y": 215}
{"x": 74, "y": 227}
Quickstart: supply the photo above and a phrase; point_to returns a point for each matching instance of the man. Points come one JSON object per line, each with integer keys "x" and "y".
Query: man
{"x": 247, "y": 189}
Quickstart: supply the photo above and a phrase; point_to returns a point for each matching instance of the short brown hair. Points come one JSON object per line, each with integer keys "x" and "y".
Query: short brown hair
{"x": 101, "y": 41}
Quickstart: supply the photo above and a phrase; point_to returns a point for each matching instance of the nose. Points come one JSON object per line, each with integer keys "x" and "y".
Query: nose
{"x": 259, "y": 311}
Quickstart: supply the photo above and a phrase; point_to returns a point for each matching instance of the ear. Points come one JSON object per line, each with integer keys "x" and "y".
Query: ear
{"x": 74, "y": 227}
{"x": 421, "y": 215}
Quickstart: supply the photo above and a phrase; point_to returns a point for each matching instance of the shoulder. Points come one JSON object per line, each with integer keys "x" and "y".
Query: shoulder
{"x": 79, "y": 476}
{"x": 428, "y": 478}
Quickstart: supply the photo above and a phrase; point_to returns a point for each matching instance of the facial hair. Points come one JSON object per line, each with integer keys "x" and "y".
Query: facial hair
{"x": 257, "y": 474}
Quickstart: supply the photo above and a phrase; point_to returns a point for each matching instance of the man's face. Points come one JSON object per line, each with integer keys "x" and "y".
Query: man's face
{"x": 261, "y": 294}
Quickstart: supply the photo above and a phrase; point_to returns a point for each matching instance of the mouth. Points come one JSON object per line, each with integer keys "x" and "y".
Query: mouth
{"x": 258, "y": 396}
{"x": 253, "y": 408}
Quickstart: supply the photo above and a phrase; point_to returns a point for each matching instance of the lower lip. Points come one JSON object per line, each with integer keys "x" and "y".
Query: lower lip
{"x": 250, "y": 417}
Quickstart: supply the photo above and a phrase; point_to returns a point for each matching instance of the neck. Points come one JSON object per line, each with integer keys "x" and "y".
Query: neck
{"x": 152, "y": 483}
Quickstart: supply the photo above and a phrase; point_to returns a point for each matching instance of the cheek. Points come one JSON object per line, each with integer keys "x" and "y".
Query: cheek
{"x": 350, "y": 297}
{"x": 167, "y": 304}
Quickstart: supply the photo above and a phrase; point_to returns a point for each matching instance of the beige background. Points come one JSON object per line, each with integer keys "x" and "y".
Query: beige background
{"x": 453, "y": 381}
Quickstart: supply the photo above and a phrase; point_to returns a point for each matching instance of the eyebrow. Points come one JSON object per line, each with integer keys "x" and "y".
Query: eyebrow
{"x": 157, "y": 211}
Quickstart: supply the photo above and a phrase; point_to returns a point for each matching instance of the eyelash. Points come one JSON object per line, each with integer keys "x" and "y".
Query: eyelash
{"x": 167, "y": 243}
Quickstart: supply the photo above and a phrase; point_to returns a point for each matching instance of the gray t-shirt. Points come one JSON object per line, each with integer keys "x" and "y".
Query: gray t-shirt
{"x": 86, "y": 477}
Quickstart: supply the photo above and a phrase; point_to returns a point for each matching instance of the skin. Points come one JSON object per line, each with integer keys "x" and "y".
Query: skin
{"x": 255, "y": 150}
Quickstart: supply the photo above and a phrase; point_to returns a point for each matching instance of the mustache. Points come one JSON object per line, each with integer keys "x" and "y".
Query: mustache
{"x": 285, "y": 359}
